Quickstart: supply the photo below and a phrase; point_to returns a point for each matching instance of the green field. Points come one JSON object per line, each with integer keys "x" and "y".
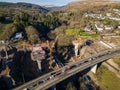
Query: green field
{"x": 107, "y": 79}
{"x": 87, "y": 35}
{"x": 117, "y": 60}
{"x": 80, "y": 33}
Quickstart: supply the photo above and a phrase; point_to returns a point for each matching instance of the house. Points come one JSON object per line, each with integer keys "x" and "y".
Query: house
{"x": 2, "y": 42}
{"x": 99, "y": 27}
{"x": 86, "y": 14}
{"x": 108, "y": 14}
{"x": 116, "y": 10}
{"x": 107, "y": 27}
{"x": 87, "y": 29}
{"x": 19, "y": 35}
{"x": 118, "y": 26}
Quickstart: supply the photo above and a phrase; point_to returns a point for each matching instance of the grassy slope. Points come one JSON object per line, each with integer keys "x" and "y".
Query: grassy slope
{"x": 85, "y": 6}
{"x": 80, "y": 33}
{"x": 107, "y": 79}
{"x": 2, "y": 27}
{"x": 117, "y": 60}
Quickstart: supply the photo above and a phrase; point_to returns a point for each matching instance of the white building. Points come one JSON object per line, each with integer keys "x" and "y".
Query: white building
{"x": 99, "y": 28}
{"x": 119, "y": 26}
{"x": 108, "y": 27}
{"x": 2, "y": 42}
{"x": 108, "y": 14}
{"x": 18, "y": 35}
{"x": 87, "y": 29}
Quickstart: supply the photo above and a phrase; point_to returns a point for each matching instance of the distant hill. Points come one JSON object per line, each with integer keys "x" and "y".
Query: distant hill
{"x": 24, "y": 5}
{"x": 53, "y": 8}
{"x": 89, "y": 4}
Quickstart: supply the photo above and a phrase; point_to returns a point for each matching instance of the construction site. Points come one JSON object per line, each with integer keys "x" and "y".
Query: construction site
{"x": 23, "y": 62}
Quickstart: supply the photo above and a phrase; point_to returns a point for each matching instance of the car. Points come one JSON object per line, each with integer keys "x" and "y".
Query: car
{"x": 40, "y": 82}
{"x": 66, "y": 69}
{"x": 73, "y": 66}
{"x": 78, "y": 64}
{"x": 86, "y": 78}
{"x": 34, "y": 85}
{"x": 46, "y": 79}
{"x": 57, "y": 73}
{"x": 85, "y": 61}
{"x": 89, "y": 59}
{"x": 51, "y": 76}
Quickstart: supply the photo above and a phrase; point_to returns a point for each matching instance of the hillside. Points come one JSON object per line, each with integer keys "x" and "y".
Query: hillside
{"x": 52, "y": 8}
{"x": 91, "y": 4}
{"x": 24, "y": 6}
{"x": 16, "y": 17}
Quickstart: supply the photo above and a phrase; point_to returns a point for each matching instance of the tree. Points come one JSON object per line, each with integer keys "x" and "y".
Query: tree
{"x": 10, "y": 29}
{"x": 106, "y": 22}
{"x": 22, "y": 19}
{"x": 70, "y": 86}
{"x": 32, "y": 34}
{"x": 16, "y": 19}
{"x": 65, "y": 40}
{"x": 2, "y": 18}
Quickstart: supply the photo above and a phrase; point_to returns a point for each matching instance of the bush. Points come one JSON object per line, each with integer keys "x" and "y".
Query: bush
{"x": 10, "y": 29}
{"x": 65, "y": 40}
{"x": 2, "y": 18}
{"x": 70, "y": 86}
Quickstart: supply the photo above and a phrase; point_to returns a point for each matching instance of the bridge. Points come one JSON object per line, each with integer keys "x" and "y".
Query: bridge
{"x": 51, "y": 79}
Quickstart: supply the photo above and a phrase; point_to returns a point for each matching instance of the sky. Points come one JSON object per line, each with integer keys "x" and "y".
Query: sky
{"x": 44, "y": 2}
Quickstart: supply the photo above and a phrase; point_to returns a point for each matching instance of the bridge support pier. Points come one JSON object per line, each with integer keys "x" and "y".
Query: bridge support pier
{"x": 39, "y": 64}
{"x": 94, "y": 69}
